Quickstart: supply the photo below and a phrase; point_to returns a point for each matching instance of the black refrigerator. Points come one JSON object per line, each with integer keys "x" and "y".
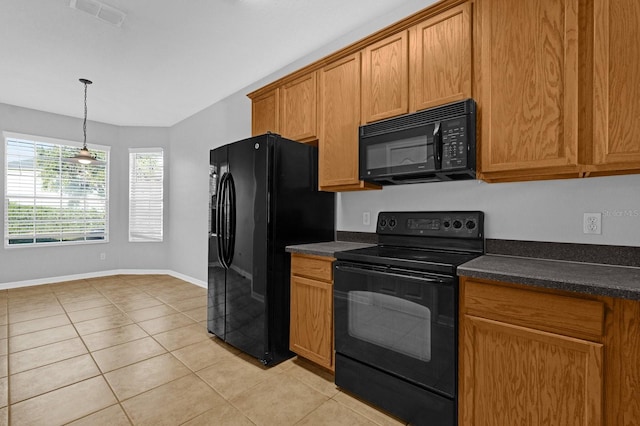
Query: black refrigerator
{"x": 264, "y": 196}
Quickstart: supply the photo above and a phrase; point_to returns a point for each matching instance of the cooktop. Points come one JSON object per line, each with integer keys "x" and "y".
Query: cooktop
{"x": 426, "y": 241}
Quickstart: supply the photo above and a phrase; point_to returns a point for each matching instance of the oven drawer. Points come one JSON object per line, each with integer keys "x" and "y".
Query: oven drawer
{"x": 412, "y": 403}
{"x": 566, "y": 315}
{"x": 317, "y": 267}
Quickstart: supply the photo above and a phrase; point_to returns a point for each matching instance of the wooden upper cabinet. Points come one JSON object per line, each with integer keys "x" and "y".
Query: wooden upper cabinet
{"x": 528, "y": 88}
{"x": 556, "y": 83}
{"x": 441, "y": 59}
{"x": 265, "y": 113}
{"x": 616, "y": 114}
{"x": 385, "y": 78}
{"x": 339, "y": 122}
{"x": 298, "y": 99}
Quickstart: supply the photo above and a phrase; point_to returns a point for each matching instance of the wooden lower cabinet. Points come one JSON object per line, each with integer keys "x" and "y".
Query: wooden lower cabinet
{"x": 311, "y": 327}
{"x": 544, "y": 357}
{"x": 525, "y": 376}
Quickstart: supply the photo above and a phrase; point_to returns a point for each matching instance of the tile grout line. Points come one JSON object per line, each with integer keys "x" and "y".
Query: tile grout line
{"x": 99, "y": 369}
{"x": 8, "y": 370}
{"x": 191, "y": 372}
{"x": 167, "y": 352}
{"x": 101, "y": 374}
{"x": 94, "y": 361}
{"x": 148, "y": 292}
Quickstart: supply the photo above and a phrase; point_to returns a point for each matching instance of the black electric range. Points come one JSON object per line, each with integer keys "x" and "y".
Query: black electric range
{"x": 396, "y": 313}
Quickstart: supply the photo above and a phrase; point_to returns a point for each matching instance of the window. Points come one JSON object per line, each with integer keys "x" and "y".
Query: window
{"x": 49, "y": 200}
{"x": 145, "y": 194}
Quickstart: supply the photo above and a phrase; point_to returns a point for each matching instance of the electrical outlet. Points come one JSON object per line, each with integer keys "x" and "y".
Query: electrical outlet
{"x": 103, "y": 256}
{"x": 366, "y": 218}
{"x": 592, "y": 223}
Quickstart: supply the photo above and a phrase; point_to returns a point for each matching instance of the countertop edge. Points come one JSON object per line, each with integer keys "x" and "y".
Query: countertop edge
{"x": 328, "y": 248}
{"x": 587, "y": 278}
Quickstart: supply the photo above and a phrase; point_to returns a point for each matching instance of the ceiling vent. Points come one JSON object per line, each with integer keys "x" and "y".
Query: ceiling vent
{"x": 99, "y": 10}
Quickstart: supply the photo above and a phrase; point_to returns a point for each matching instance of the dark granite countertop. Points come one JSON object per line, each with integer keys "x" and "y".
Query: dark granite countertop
{"x": 590, "y": 278}
{"x": 325, "y": 249}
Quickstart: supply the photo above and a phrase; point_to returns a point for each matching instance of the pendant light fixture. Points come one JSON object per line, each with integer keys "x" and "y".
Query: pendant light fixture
{"x": 84, "y": 156}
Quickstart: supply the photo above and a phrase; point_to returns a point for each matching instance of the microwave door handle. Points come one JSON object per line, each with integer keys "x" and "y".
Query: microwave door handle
{"x": 437, "y": 144}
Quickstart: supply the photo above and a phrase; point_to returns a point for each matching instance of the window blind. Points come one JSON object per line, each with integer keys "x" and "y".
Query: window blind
{"x": 146, "y": 202}
{"x": 49, "y": 200}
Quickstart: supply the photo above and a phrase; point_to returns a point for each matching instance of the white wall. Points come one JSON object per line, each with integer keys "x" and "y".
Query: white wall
{"x": 534, "y": 211}
{"x": 191, "y": 141}
{"x": 22, "y": 264}
{"x": 227, "y": 121}
{"x": 539, "y": 211}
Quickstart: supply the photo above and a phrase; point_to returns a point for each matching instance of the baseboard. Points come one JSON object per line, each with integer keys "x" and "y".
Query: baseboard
{"x": 51, "y": 280}
{"x": 188, "y": 279}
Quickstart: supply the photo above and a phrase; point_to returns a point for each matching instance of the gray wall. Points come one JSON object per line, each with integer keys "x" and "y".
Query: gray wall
{"x": 36, "y": 263}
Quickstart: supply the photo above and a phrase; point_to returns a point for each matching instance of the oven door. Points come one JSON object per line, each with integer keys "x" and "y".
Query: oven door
{"x": 402, "y": 322}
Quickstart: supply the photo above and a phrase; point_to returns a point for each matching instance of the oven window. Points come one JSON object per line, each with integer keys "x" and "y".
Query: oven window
{"x": 390, "y": 322}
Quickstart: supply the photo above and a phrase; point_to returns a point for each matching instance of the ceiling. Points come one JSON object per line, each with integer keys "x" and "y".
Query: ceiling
{"x": 168, "y": 60}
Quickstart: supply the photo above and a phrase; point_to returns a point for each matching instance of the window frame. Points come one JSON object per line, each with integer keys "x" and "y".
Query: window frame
{"x": 130, "y": 232}
{"x": 6, "y": 135}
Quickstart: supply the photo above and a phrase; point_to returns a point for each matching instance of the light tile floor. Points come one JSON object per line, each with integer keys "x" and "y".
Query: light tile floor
{"x": 134, "y": 349}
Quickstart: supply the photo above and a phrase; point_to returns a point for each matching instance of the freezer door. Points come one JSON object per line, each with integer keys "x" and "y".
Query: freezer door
{"x": 216, "y": 311}
{"x": 246, "y": 276}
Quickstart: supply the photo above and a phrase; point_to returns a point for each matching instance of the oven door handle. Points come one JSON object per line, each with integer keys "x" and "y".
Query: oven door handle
{"x": 389, "y": 272}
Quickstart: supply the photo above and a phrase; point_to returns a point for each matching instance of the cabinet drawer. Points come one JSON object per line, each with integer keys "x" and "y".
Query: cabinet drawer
{"x": 534, "y": 309}
{"x": 318, "y": 267}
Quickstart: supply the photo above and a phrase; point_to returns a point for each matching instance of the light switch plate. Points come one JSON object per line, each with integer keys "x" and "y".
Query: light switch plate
{"x": 366, "y": 218}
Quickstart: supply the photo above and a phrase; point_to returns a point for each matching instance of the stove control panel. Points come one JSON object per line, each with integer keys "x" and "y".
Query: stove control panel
{"x": 448, "y": 224}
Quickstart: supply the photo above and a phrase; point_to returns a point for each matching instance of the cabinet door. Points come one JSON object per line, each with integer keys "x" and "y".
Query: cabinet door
{"x": 441, "y": 59}
{"x": 515, "y": 375}
{"x": 265, "y": 113}
{"x": 616, "y": 141}
{"x": 528, "y": 87}
{"x": 385, "y": 78}
{"x": 311, "y": 328}
{"x": 298, "y": 109}
{"x": 339, "y": 122}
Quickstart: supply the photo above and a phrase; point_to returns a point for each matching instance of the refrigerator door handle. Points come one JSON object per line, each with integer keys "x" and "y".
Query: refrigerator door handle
{"x": 231, "y": 241}
{"x": 221, "y": 219}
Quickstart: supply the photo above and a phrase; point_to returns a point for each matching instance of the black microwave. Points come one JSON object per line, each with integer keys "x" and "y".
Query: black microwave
{"x": 436, "y": 144}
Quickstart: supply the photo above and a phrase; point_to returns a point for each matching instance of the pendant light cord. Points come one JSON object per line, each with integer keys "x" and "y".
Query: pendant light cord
{"x": 84, "y": 124}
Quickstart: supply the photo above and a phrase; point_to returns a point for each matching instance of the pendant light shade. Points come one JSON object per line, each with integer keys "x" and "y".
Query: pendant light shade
{"x": 84, "y": 156}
